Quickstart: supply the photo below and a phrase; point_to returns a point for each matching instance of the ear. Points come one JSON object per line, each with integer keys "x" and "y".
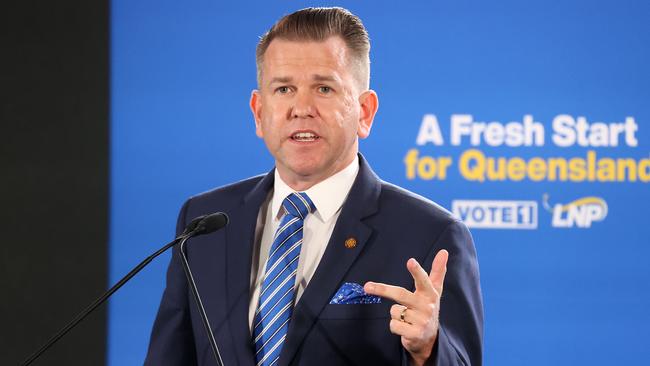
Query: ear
{"x": 369, "y": 103}
{"x": 256, "y": 108}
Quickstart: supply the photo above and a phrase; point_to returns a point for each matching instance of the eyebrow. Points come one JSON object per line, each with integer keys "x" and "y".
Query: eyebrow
{"x": 285, "y": 79}
{"x": 315, "y": 77}
{"x": 324, "y": 78}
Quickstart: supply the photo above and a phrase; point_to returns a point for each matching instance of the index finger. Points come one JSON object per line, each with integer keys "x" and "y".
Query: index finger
{"x": 395, "y": 293}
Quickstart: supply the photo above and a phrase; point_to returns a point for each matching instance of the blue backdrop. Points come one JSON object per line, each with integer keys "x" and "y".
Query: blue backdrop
{"x": 542, "y": 112}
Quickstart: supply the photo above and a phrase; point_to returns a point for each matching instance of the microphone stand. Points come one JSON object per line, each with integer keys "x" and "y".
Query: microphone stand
{"x": 199, "y": 304}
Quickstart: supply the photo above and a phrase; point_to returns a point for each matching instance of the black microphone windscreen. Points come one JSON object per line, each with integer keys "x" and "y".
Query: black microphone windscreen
{"x": 211, "y": 223}
{"x": 193, "y": 224}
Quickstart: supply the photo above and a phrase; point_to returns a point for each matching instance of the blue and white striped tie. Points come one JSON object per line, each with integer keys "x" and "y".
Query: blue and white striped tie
{"x": 273, "y": 314}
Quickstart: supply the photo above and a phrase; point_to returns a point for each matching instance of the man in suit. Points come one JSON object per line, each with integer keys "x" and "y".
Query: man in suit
{"x": 321, "y": 261}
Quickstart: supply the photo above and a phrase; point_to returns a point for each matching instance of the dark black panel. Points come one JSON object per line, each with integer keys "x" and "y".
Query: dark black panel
{"x": 54, "y": 179}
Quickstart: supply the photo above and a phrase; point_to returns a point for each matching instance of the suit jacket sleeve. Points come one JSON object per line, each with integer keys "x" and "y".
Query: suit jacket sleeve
{"x": 461, "y": 308}
{"x": 172, "y": 340}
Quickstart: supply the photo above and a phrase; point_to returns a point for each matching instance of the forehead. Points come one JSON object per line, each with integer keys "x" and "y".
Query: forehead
{"x": 283, "y": 56}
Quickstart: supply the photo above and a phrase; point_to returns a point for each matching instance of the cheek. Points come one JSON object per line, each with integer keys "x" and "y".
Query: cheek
{"x": 270, "y": 135}
{"x": 349, "y": 103}
{"x": 270, "y": 121}
{"x": 341, "y": 112}
{"x": 350, "y": 114}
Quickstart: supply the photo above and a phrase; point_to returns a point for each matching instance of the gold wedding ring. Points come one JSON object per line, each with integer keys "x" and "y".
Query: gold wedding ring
{"x": 401, "y": 314}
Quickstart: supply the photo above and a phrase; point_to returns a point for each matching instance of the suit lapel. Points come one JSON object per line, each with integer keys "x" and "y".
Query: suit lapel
{"x": 361, "y": 202}
{"x": 240, "y": 236}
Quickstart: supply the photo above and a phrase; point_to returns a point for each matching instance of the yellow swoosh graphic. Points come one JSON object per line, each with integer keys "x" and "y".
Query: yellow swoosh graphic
{"x": 585, "y": 201}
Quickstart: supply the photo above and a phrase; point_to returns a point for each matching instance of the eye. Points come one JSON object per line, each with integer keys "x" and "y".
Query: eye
{"x": 324, "y": 89}
{"x": 283, "y": 90}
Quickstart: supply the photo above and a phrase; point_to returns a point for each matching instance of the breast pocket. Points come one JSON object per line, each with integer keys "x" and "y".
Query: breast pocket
{"x": 352, "y": 334}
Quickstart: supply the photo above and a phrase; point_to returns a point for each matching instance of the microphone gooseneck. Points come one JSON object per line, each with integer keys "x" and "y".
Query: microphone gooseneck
{"x": 195, "y": 292}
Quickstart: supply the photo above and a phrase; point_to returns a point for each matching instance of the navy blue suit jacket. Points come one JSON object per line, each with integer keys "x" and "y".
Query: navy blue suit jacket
{"x": 390, "y": 226}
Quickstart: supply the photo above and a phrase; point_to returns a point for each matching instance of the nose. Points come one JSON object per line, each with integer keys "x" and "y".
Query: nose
{"x": 303, "y": 105}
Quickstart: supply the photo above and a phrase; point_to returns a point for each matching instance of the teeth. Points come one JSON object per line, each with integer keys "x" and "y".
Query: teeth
{"x": 304, "y": 136}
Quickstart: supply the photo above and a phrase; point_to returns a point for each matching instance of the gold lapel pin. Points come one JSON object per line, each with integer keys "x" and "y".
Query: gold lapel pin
{"x": 351, "y": 243}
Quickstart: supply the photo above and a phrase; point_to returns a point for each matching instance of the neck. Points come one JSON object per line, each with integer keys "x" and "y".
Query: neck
{"x": 300, "y": 184}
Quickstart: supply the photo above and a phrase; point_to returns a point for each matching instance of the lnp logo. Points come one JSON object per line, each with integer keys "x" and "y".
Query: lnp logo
{"x": 581, "y": 212}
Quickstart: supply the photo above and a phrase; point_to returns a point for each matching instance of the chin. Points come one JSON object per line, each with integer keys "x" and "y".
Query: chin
{"x": 305, "y": 171}
{"x": 301, "y": 164}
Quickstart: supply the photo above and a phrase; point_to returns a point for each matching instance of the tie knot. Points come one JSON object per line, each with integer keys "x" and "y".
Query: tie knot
{"x": 298, "y": 205}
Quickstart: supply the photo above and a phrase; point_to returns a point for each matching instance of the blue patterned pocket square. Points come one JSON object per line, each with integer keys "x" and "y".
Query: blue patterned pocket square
{"x": 352, "y": 293}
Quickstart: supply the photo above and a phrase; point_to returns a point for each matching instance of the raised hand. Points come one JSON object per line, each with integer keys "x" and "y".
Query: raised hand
{"x": 415, "y": 316}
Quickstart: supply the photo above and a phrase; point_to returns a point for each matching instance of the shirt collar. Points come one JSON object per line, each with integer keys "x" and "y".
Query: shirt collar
{"x": 328, "y": 196}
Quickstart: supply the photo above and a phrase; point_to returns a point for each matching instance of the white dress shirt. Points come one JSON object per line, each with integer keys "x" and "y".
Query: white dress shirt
{"x": 328, "y": 196}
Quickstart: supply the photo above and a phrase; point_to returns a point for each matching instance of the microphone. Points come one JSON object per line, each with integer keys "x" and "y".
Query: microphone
{"x": 210, "y": 223}
{"x": 198, "y": 226}
{"x": 206, "y": 224}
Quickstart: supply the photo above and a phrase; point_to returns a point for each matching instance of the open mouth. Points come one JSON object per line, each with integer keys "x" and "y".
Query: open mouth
{"x": 304, "y": 136}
